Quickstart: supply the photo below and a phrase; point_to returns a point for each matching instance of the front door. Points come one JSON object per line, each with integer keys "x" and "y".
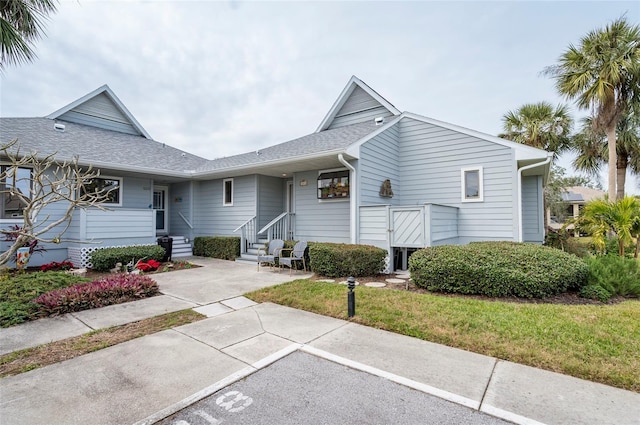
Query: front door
{"x": 160, "y": 207}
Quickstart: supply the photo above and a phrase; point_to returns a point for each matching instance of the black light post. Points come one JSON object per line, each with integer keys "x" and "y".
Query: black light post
{"x": 351, "y": 296}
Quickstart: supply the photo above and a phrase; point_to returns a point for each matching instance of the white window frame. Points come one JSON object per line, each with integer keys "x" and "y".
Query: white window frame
{"x": 120, "y": 190}
{"x": 463, "y": 185}
{"x": 224, "y": 193}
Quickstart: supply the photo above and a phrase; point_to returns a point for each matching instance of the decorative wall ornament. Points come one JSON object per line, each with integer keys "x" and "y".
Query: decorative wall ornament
{"x": 385, "y": 189}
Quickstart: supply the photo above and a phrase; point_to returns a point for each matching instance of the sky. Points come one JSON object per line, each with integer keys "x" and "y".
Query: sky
{"x": 223, "y": 78}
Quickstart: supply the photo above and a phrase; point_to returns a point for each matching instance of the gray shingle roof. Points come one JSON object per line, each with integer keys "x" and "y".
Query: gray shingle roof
{"x": 95, "y": 145}
{"x": 315, "y": 143}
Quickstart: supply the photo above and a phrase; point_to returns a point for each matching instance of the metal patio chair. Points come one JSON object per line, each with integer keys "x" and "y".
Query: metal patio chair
{"x": 271, "y": 254}
{"x": 297, "y": 254}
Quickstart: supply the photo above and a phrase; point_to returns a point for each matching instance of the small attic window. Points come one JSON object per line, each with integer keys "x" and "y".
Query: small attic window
{"x": 58, "y": 126}
{"x": 379, "y": 120}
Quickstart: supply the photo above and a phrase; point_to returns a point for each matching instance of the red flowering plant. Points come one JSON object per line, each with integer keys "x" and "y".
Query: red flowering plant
{"x": 56, "y": 266}
{"x": 148, "y": 266}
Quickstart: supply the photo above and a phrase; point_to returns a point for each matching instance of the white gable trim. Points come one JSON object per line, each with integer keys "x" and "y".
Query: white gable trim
{"x": 344, "y": 95}
{"x": 354, "y": 148}
{"x": 112, "y": 96}
{"x": 523, "y": 152}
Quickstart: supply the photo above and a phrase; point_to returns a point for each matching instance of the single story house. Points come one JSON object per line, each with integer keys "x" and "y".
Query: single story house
{"x": 576, "y": 197}
{"x": 369, "y": 174}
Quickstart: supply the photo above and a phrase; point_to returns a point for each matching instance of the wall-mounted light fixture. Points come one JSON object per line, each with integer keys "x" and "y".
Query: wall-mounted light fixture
{"x": 303, "y": 182}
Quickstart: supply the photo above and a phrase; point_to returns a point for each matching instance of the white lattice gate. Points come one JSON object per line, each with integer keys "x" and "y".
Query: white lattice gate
{"x": 407, "y": 227}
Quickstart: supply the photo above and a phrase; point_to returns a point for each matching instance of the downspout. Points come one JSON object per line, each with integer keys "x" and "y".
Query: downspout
{"x": 352, "y": 192}
{"x": 520, "y": 170}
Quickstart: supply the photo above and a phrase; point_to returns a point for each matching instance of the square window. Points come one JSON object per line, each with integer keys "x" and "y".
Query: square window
{"x": 472, "y": 185}
{"x": 227, "y": 188}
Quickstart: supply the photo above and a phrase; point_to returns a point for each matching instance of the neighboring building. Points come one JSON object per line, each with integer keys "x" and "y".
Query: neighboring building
{"x": 576, "y": 197}
{"x": 369, "y": 174}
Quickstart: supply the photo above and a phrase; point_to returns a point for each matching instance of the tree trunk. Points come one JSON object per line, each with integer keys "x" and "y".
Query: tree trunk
{"x": 621, "y": 167}
{"x": 611, "y": 140}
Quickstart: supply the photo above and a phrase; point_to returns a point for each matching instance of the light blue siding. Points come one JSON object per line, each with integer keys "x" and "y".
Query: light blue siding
{"x": 136, "y": 192}
{"x": 378, "y": 162}
{"x": 100, "y": 112}
{"x": 321, "y": 221}
{"x": 532, "y": 221}
{"x": 359, "y": 107}
{"x": 270, "y": 199}
{"x": 179, "y": 203}
{"x": 430, "y": 161}
{"x": 212, "y": 218}
{"x": 443, "y": 224}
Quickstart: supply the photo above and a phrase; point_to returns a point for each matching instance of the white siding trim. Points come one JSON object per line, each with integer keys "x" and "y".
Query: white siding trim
{"x": 224, "y": 193}
{"x": 463, "y": 184}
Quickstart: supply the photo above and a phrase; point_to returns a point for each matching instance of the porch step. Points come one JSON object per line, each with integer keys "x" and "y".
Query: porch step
{"x": 180, "y": 248}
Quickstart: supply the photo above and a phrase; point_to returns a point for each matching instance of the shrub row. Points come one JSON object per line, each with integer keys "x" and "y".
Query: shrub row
{"x": 498, "y": 269}
{"x": 114, "y": 289}
{"x": 106, "y": 259}
{"x": 340, "y": 260}
{"x": 223, "y": 247}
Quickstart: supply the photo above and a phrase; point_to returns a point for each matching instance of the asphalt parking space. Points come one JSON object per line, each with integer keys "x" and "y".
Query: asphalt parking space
{"x": 302, "y": 388}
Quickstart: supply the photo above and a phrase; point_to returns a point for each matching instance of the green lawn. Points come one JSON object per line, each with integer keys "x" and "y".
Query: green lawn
{"x": 599, "y": 343}
{"x": 17, "y": 291}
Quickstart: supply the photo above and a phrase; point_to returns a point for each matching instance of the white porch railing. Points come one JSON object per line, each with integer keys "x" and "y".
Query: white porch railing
{"x": 248, "y": 234}
{"x": 280, "y": 227}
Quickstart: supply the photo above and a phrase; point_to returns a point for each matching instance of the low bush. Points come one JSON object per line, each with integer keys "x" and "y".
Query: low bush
{"x": 498, "y": 269}
{"x": 580, "y": 247}
{"x": 56, "y": 266}
{"x": 612, "y": 275}
{"x": 223, "y": 247}
{"x": 17, "y": 291}
{"x": 114, "y": 289}
{"x": 340, "y": 260}
{"x": 106, "y": 259}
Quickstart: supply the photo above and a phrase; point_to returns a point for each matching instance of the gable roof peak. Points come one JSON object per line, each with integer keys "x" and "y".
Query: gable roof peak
{"x": 354, "y": 83}
{"x": 116, "y": 103}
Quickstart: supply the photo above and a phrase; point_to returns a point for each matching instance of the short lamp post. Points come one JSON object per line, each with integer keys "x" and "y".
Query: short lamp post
{"x": 351, "y": 297}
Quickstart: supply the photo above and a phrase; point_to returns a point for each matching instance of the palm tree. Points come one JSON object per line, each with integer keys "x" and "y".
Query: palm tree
{"x": 539, "y": 125}
{"x": 603, "y": 74}
{"x": 602, "y": 217}
{"x": 21, "y": 24}
{"x": 592, "y": 149}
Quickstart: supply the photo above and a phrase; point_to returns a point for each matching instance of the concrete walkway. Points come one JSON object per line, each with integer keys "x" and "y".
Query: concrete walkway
{"x": 149, "y": 378}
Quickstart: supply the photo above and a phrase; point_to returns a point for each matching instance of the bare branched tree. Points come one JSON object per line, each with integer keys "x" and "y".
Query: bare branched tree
{"x": 29, "y": 183}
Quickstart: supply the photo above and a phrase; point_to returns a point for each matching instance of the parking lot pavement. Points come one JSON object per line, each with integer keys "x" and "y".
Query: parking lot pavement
{"x": 303, "y": 388}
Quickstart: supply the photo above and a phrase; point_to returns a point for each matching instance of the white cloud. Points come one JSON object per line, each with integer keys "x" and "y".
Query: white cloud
{"x": 220, "y": 78}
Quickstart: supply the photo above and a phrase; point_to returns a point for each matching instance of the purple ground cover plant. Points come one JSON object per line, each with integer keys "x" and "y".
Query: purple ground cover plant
{"x": 110, "y": 290}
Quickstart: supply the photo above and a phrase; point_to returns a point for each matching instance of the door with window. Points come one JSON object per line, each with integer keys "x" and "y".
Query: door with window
{"x": 290, "y": 209}
{"x": 160, "y": 208}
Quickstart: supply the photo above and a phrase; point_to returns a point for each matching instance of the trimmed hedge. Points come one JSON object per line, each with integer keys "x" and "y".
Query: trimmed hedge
{"x": 498, "y": 269}
{"x": 223, "y": 247}
{"x": 106, "y": 259}
{"x": 340, "y": 260}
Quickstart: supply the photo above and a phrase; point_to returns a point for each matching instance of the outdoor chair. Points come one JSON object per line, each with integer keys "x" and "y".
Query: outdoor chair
{"x": 297, "y": 254}
{"x": 271, "y": 253}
